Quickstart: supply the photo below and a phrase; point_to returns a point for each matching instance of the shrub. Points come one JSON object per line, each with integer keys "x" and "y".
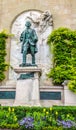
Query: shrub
{"x": 8, "y": 118}
{"x": 62, "y": 42}
{"x": 72, "y": 85}
{"x": 3, "y": 64}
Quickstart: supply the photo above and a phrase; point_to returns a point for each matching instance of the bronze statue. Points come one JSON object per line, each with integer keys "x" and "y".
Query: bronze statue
{"x": 29, "y": 39}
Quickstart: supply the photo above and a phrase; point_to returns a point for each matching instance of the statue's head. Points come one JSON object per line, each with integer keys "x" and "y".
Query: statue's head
{"x": 28, "y": 24}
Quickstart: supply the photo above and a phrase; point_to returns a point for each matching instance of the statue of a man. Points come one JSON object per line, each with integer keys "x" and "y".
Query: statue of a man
{"x": 29, "y": 39}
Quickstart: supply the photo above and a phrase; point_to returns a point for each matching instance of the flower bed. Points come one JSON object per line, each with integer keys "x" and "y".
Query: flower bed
{"x": 38, "y": 118}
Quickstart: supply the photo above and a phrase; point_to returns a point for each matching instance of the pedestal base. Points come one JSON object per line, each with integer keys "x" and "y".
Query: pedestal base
{"x": 27, "y": 90}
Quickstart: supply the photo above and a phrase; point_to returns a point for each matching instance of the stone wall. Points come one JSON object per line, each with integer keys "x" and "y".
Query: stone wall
{"x": 63, "y": 12}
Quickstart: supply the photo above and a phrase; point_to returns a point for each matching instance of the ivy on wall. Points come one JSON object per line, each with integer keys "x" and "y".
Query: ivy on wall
{"x": 3, "y": 64}
{"x": 62, "y": 42}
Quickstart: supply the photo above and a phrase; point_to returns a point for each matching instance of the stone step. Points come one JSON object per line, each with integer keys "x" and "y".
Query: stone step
{"x": 7, "y": 87}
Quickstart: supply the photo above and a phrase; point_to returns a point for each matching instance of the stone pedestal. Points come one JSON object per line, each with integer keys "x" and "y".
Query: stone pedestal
{"x": 27, "y": 89}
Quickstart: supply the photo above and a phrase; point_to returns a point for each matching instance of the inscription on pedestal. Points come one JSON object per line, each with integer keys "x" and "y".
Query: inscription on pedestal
{"x": 26, "y": 76}
{"x": 50, "y": 95}
{"x": 7, "y": 94}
